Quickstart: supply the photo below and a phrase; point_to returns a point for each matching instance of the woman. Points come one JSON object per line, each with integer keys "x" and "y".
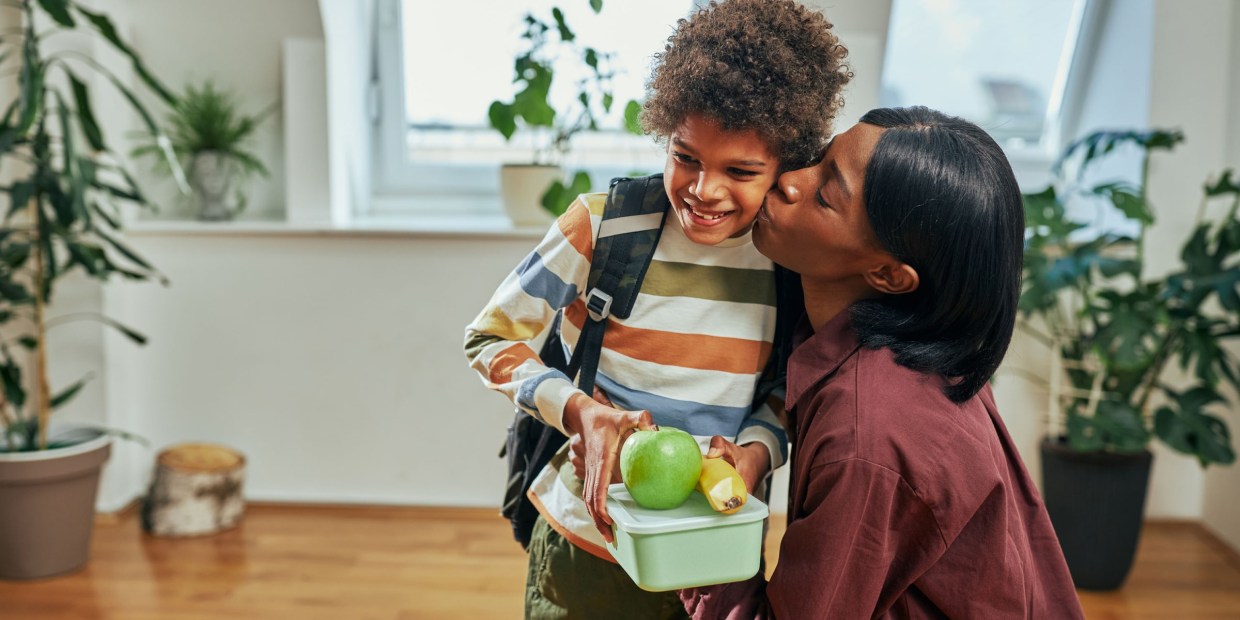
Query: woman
{"x": 907, "y": 497}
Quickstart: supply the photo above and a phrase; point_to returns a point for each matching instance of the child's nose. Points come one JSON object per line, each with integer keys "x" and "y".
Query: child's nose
{"x": 708, "y": 187}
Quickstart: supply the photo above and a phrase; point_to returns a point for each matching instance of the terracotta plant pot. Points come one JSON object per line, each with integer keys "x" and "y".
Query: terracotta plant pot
{"x": 47, "y": 508}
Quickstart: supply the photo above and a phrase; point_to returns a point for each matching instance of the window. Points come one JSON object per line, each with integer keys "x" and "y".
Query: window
{"x": 1003, "y": 65}
{"x": 441, "y": 64}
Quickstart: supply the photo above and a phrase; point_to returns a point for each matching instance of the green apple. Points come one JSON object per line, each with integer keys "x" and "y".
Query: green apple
{"x": 660, "y": 467}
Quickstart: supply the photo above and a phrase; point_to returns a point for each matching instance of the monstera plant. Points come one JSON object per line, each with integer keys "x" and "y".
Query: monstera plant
{"x": 1138, "y": 355}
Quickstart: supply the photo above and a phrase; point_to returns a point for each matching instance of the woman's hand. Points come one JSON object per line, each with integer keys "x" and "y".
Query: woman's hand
{"x": 600, "y": 431}
{"x": 752, "y": 460}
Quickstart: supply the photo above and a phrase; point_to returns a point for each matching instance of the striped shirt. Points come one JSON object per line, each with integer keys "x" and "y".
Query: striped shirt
{"x": 691, "y": 351}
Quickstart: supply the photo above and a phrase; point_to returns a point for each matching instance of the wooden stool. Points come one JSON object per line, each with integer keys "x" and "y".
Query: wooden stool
{"x": 196, "y": 490}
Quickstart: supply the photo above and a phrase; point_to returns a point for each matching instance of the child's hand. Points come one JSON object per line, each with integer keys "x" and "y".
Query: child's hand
{"x": 577, "y": 446}
{"x": 602, "y": 430}
{"x": 752, "y": 460}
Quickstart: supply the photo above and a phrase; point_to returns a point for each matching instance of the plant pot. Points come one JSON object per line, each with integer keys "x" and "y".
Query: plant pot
{"x": 522, "y": 187}
{"x": 47, "y": 508}
{"x": 1096, "y": 501}
{"x": 211, "y": 176}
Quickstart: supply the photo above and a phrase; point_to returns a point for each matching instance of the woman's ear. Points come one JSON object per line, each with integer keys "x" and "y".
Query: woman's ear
{"x": 893, "y": 278}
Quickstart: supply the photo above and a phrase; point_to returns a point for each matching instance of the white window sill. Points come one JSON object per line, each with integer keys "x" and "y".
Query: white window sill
{"x": 489, "y": 226}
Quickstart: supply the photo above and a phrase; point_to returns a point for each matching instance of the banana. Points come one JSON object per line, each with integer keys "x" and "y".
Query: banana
{"x": 722, "y": 486}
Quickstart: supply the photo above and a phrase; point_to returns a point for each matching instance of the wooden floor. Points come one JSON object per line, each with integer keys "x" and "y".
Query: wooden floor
{"x": 348, "y": 563}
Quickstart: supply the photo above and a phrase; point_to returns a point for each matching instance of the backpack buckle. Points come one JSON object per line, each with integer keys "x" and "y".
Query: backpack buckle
{"x": 598, "y": 304}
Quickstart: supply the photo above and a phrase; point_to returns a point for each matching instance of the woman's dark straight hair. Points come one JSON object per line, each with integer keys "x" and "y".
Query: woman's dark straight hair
{"x": 941, "y": 197}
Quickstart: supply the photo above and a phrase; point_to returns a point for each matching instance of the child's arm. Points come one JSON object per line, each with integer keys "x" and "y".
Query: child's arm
{"x": 499, "y": 343}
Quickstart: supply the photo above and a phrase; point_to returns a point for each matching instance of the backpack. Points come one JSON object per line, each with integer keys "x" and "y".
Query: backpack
{"x": 633, "y": 219}
{"x": 632, "y": 222}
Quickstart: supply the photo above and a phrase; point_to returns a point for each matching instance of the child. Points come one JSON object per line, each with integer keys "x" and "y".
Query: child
{"x": 908, "y": 499}
{"x": 737, "y": 95}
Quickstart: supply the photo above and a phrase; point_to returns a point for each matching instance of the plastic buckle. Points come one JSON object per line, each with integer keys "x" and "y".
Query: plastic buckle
{"x": 598, "y": 304}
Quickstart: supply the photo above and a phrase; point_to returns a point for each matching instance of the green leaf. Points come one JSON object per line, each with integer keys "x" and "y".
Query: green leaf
{"x": 1225, "y": 185}
{"x": 68, "y": 393}
{"x": 502, "y": 119}
{"x": 19, "y": 196}
{"x": 59, "y": 11}
{"x": 632, "y": 117}
{"x": 566, "y": 33}
{"x": 591, "y": 58}
{"x": 31, "y": 80}
{"x": 608, "y": 99}
{"x": 86, "y": 115}
{"x": 28, "y": 342}
{"x": 14, "y": 389}
{"x": 597, "y": 5}
{"x": 1127, "y": 200}
{"x": 124, "y": 250}
{"x": 104, "y": 25}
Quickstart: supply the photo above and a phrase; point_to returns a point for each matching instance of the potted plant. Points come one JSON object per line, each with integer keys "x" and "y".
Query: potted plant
{"x": 553, "y": 123}
{"x": 60, "y": 194}
{"x": 209, "y": 135}
{"x": 1120, "y": 337}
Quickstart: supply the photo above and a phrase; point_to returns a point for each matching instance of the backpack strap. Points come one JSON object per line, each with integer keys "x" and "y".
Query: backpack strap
{"x": 628, "y": 235}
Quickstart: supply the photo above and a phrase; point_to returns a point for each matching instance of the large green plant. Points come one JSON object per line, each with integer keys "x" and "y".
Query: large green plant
{"x": 1118, "y": 331}
{"x": 545, "y": 42}
{"x": 61, "y": 188}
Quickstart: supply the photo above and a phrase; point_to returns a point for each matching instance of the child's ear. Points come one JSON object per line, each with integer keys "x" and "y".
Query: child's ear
{"x": 893, "y": 278}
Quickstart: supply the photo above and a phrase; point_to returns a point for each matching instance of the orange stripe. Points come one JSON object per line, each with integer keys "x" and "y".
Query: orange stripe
{"x": 576, "y": 313}
{"x": 720, "y": 353}
{"x": 575, "y": 226}
{"x": 506, "y": 361}
{"x": 579, "y": 542}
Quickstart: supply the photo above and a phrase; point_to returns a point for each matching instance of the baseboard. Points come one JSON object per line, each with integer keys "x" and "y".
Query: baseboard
{"x": 116, "y": 516}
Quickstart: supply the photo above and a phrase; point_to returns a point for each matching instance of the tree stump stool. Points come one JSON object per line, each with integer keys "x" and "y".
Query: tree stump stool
{"x": 196, "y": 490}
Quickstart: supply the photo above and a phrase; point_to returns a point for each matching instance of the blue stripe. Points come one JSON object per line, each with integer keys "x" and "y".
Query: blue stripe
{"x": 525, "y": 393}
{"x": 540, "y": 282}
{"x": 692, "y": 417}
{"x": 780, "y": 434}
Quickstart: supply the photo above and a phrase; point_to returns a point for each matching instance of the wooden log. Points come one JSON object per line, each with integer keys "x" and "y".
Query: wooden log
{"x": 196, "y": 490}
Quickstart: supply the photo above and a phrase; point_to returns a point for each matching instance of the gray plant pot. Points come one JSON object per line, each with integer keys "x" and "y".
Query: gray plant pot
{"x": 212, "y": 175}
{"x": 47, "y": 508}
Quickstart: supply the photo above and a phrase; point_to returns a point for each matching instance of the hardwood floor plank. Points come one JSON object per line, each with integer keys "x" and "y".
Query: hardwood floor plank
{"x": 385, "y": 563}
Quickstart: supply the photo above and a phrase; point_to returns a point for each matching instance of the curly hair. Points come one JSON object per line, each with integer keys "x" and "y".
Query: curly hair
{"x": 773, "y": 66}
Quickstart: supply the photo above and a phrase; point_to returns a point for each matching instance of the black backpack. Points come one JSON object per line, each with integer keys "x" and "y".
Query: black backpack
{"x": 628, "y": 235}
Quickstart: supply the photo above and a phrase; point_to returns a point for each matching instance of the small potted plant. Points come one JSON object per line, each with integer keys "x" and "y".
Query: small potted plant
{"x": 210, "y": 136}
{"x": 60, "y": 196}
{"x": 530, "y": 188}
{"x": 1117, "y": 333}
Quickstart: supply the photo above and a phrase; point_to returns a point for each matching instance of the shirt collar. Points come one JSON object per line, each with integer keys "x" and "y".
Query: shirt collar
{"x": 818, "y": 354}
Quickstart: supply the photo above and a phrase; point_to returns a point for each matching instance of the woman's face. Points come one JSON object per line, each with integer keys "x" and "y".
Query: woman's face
{"x": 716, "y": 179}
{"x": 815, "y": 221}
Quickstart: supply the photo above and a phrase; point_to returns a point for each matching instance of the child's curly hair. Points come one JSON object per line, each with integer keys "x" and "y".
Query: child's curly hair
{"x": 773, "y": 66}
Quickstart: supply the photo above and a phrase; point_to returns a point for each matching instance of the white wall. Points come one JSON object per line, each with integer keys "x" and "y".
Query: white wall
{"x": 237, "y": 43}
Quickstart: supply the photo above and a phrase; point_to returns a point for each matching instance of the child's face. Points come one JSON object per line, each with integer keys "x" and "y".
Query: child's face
{"x": 815, "y": 221}
{"x": 716, "y": 180}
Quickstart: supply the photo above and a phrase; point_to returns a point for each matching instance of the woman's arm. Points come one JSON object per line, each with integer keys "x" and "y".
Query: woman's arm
{"x": 859, "y": 540}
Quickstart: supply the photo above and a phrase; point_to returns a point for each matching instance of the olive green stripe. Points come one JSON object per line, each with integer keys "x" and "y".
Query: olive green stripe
{"x": 749, "y": 286}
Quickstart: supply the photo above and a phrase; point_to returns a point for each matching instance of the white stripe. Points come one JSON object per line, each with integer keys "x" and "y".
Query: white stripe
{"x": 632, "y": 223}
{"x": 689, "y": 315}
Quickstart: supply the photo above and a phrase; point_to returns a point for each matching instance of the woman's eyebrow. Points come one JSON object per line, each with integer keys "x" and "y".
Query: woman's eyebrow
{"x": 835, "y": 171}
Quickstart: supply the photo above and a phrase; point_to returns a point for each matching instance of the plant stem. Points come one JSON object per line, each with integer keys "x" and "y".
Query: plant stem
{"x": 42, "y": 399}
{"x": 1156, "y": 369}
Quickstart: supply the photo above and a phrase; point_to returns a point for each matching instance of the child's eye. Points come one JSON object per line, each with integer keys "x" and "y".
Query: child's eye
{"x": 741, "y": 172}
{"x": 683, "y": 158}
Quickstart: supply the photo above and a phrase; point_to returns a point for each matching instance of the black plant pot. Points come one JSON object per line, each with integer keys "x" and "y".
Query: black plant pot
{"x": 1096, "y": 501}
